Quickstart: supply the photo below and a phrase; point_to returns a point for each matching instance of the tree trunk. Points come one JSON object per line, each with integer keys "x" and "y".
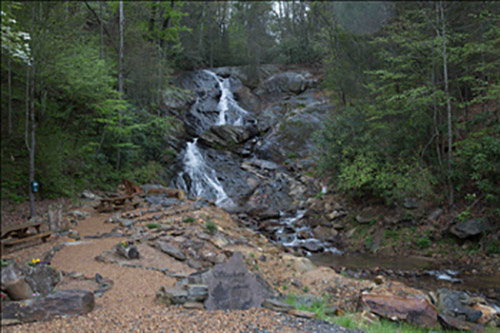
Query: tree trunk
{"x": 32, "y": 148}
{"x": 9, "y": 83}
{"x": 210, "y": 29}
{"x": 120, "y": 77}
{"x": 200, "y": 36}
{"x": 101, "y": 25}
{"x": 448, "y": 107}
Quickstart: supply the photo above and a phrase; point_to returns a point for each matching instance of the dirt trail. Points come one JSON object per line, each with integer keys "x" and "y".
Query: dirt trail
{"x": 130, "y": 304}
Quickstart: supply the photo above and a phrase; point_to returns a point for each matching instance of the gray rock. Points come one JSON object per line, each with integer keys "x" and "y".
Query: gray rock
{"x": 79, "y": 214}
{"x": 276, "y": 305}
{"x": 411, "y": 203}
{"x": 87, "y": 195}
{"x": 366, "y": 216}
{"x": 42, "y": 278}
{"x": 13, "y": 283}
{"x": 435, "y": 214}
{"x": 453, "y": 323}
{"x": 171, "y": 250}
{"x": 64, "y": 302}
{"x": 194, "y": 264}
{"x": 456, "y": 303}
{"x": 311, "y": 246}
{"x": 181, "y": 294}
{"x": 172, "y": 296}
{"x": 196, "y": 292}
{"x": 232, "y": 286}
{"x": 470, "y": 228}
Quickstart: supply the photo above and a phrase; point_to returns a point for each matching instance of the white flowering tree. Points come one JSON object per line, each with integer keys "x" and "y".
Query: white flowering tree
{"x": 14, "y": 41}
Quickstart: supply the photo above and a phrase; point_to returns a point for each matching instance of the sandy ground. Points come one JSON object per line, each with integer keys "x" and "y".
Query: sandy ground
{"x": 129, "y": 306}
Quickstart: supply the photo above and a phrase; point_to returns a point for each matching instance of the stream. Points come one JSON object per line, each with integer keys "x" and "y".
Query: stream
{"x": 231, "y": 177}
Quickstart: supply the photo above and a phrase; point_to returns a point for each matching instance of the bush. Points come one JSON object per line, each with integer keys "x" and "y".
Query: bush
{"x": 211, "y": 227}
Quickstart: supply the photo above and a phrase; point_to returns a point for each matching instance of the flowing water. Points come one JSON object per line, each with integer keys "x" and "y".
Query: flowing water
{"x": 202, "y": 178}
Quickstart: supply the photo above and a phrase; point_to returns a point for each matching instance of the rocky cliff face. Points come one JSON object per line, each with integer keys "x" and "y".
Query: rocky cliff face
{"x": 257, "y": 143}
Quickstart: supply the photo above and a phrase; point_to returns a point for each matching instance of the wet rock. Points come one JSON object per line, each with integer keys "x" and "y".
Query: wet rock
{"x": 470, "y": 228}
{"x": 456, "y": 303}
{"x": 324, "y": 234}
{"x": 450, "y": 322}
{"x": 311, "y": 246}
{"x": 64, "y": 302}
{"x": 276, "y": 305}
{"x": 226, "y": 136}
{"x": 414, "y": 310}
{"x": 304, "y": 234}
{"x": 232, "y": 286}
{"x": 170, "y": 250}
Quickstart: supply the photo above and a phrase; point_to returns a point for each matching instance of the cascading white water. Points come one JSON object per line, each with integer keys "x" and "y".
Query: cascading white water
{"x": 204, "y": 180}
{"x": 227, "y": 100}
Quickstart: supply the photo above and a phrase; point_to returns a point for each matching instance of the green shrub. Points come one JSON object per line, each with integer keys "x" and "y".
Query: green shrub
{"x": 423, "y": 242}
{"x": 211, "y": 227}
{"x": 152, "y": 226}
{"x": 188, "y": 219}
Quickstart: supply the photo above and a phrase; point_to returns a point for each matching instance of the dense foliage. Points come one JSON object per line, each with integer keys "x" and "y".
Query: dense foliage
{"x": 416, "y": 84}
{"x": 389, "y": 136}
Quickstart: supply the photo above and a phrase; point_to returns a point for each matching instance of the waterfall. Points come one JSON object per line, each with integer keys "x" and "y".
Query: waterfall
{"x": 227, "y": 100}
{"x": 203, "y": 179}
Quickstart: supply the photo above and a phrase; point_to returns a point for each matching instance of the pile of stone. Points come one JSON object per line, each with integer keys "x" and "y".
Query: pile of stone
{"x": 31, "y": 296}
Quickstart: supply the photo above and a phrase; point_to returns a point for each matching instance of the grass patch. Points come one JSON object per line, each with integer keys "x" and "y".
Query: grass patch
{"x": 152, "y": 226}
{"x": 188, "y": 219}
{"x": 353, "y": 320}
{"x": 211, "y": 227}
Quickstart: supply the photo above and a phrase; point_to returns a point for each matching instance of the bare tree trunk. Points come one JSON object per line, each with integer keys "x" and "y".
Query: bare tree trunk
{"x": 120, "y": 77}
{"x": 211, "y": 19}
{"x": 9, "y": 83}
{"x": 200, "y": 36}
{"x": 101, "y": 25}
{"x": 448, "y": 107}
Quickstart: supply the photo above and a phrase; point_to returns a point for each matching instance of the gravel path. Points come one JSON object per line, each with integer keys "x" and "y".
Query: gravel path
{"x": 130, "y": 307}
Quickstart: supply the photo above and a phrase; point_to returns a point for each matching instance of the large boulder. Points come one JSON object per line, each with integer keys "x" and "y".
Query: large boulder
{"x": 470, "y": 228}
{"x": 293, "y": 124}
{"x": 232, "y": 286}
{"x": 287, "y": 82}
{"x": 42, "y": 278}
{"x": 64, "y": 302}
{"x": 226, "y": 136}
{"x": 457, "y": 304}
{"x": 14, "y": 284}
